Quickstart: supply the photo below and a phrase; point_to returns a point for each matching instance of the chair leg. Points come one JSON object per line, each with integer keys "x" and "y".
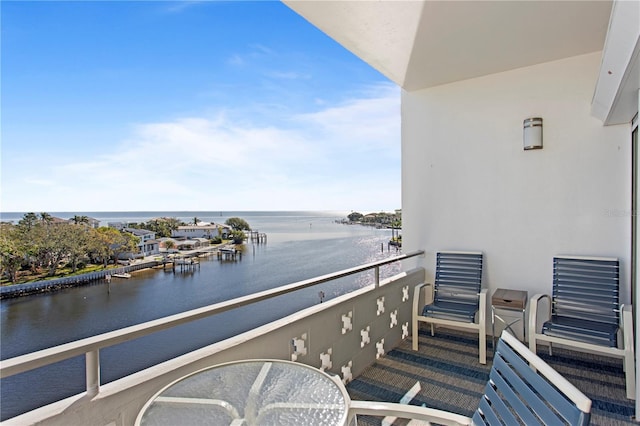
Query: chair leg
{"x": 432, "y": 332}
{"x": 532, "y": 343}
{"x": 414, "y": 331}
{"x": 483, "y": 346}
{"x": 630, "y": 374}
{"x": 629, "y": 355}
{"x": 482, "y": 327}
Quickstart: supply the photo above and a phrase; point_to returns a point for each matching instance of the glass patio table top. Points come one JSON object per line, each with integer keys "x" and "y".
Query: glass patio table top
{"x": 252, "y": 392}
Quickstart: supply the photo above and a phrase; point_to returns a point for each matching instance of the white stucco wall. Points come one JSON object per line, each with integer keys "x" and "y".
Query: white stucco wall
{"x": 469, "y": 185}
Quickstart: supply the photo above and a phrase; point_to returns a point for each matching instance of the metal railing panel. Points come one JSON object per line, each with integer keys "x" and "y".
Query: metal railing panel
{"x": 55, "y": 354}
{"x": 342, "y": 336}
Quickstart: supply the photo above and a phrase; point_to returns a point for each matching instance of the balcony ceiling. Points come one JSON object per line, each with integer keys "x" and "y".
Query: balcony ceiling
{"x": 420, "y": 44}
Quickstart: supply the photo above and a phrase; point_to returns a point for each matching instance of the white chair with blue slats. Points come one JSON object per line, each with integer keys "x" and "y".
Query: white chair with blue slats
{"x": 458, "y": 299}
{"x": 522, "y": 389}
{"x": 584, "y": 312}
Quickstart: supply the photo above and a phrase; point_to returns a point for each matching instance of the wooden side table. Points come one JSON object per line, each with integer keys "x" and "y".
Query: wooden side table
{"x": 508, "y": 300}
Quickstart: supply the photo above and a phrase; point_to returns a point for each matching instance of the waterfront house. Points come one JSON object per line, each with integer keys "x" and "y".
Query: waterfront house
{"x": 370, "y": 218}
{"x": 164, "y": 240}
{"x": 117, "y": 225}
{"x": 53, "y": 220}
{"x": 147, "y": 245}
{"x": 191, "y": 243}
{"x": 470, "y": 75}
{"x": 209, "y": 231}
{"x": 182, "y": 243}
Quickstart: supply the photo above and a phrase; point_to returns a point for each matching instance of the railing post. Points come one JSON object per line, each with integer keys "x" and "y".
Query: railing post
{"x": 92, "y": 360}
{"x": 376, "y": 271}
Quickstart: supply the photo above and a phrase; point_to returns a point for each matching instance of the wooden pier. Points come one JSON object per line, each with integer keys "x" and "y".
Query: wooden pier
{"x": 183, "y": 263}
{"x": 257, "y": 237}
{"x": 228, "y": 253}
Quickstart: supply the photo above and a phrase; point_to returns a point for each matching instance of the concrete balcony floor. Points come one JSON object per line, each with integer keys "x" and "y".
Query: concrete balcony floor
{"x": 450, "y": 377}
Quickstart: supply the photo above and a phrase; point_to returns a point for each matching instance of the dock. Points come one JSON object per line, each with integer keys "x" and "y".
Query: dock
{"x": 185, "y": 263}
{"x": 257, "y": 237}
{"x": 229, "y": 253}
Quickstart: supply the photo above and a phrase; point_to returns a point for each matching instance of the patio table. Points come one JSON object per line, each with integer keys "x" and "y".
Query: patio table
{"x": 251, "y": 392}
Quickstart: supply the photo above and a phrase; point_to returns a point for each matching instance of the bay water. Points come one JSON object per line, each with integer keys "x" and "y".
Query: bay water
{"x": 300, "y": 245}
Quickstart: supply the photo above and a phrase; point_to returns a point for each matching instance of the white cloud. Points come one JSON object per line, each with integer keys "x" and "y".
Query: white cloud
{"x": 40, "y": 182}
{"x": 177, "y": 7}
{"x": 236, "y": 60}
{"x": 260, "y": 49}
{"x": 324, "y": 160}
{"x": 366, "y": 123}
{"x": 254, "y": 51}
{"x": 288, "y": 75}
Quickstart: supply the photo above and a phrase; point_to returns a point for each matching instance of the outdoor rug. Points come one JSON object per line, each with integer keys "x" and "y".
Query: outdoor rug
{"x": 451, "y": 379}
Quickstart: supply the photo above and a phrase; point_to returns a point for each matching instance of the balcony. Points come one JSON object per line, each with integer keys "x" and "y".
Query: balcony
{"x": 445, "y": 374}
{"x": 361, "y": 337}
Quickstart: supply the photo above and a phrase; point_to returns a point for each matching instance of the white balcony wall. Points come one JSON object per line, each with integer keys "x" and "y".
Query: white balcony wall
{"x": 469, "y": 185}
{"x": 378, "y": 318}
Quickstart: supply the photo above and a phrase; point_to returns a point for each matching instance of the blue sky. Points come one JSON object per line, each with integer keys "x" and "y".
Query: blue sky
{"x": 119, "y": 105}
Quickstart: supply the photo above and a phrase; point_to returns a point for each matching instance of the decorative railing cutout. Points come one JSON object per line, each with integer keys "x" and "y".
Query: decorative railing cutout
{"x": 394, "y": 319}
{"x": 347, "y": 376}
{"x": 299, "y": 347}
{"x": 325, "y": 359}
{"x": 364, "y": 334}
{"x": 347, "y": 324}
{"x": 380, "y": 349}
{"x": 380, "y": 303}
{"x": 405, "y": 330}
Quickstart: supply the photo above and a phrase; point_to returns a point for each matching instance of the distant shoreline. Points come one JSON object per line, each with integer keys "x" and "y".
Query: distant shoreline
{"x": 216, "y": 216}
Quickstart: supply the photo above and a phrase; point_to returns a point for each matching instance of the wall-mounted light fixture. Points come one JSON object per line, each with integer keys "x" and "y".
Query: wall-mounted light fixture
{"x": 532, "y": 128}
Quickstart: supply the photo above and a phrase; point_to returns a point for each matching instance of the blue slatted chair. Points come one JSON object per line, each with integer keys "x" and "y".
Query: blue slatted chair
{"x": 584, "y": 312}
{"x": 522, "y": 389}
{"x": 457, "y": 297}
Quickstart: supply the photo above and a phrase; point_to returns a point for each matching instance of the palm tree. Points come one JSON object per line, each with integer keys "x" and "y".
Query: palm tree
{"x": 80, "y": 219}
{"x": 46, "y": 218}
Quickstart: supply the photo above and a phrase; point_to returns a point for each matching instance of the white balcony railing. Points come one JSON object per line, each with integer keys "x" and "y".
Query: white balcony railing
{"x": 360, "y": 318}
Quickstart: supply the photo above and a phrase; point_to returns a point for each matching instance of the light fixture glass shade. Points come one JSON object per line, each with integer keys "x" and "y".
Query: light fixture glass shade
{"x": 532, "y": 129}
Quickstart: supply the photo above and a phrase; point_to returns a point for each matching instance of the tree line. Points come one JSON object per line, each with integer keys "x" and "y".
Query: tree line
{"x": 382, "y": 218}
{"x": 164, "y": 226}
{"x": 38, "y": 244}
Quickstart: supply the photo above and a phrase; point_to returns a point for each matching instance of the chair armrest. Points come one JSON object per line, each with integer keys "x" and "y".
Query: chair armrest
{"x": 405, "y": 411}
{"x": 533, "y": 311}
{"x": 482, "y": 306}
{"x": 417, "y": 299}
{"x": 483, "y": 293}
{"x": 626, "y": 317}
{"x": 626, "y": 325}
